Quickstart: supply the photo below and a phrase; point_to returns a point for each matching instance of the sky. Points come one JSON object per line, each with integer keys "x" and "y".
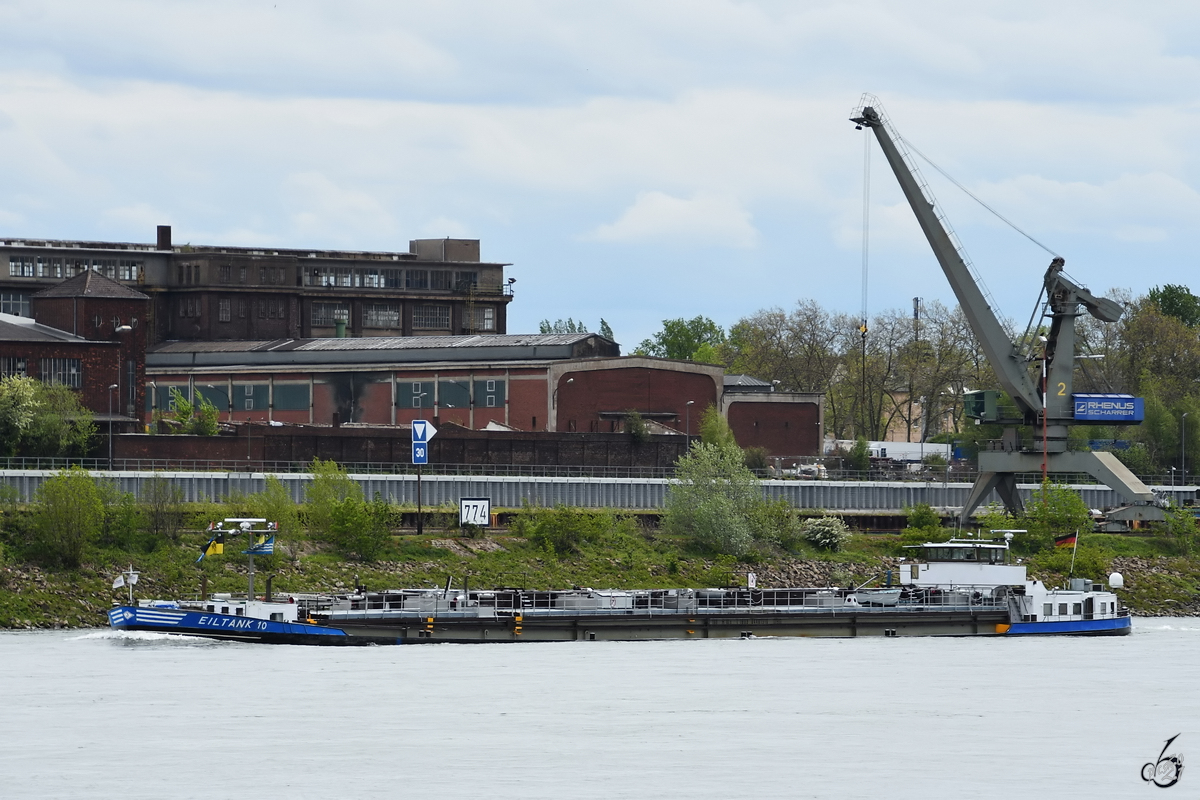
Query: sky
{"x": 633, "y": 161}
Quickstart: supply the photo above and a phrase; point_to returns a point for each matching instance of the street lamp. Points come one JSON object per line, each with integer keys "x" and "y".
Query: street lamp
{"x": 1183, "y": 449}
{"x": 111, "y": 386}
{"x": 687, "y": 422}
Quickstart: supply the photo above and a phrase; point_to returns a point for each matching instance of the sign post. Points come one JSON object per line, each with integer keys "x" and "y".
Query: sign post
{"x": 422, "y": 432}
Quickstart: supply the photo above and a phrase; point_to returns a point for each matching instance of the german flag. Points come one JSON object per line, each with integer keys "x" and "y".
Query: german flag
{"x": 1065, "y": 541}
{"x": 215, "y": 546}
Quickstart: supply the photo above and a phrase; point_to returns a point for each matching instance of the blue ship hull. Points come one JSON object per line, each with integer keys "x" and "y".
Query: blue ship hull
{"x": 1112, "y": 626}
{"x": 227, "y": 626}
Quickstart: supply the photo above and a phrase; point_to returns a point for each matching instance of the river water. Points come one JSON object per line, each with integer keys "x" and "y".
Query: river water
{"x": 131, "y": 715}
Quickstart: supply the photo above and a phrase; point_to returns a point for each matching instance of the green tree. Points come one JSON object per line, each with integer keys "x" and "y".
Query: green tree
{"x": 1053, "y": 510}
{"x": 635, "y": 426}
{"x": 859, "y": 456}
{"x": 567, "y": 325}
{"x": 124, "y": 523}
{"x": 199, "y": 418}
{"x": 715, "y": 430}
{"x": 68, "y": 517}
{"x": 41, "y": 420}
{"x": 1181, "y": 526}
{"x": 714, "y": 499}
{"x": 1178, "y": 302}
{"x": 275, "y": 504}
{"x": 606, "y": 331}
{"x": 329, "y": 488}
{"x": 164, "y": 508}
{"x": 359, "y": 529}
{"x": 922, "y": 517}
{"x": 683, "y": 339}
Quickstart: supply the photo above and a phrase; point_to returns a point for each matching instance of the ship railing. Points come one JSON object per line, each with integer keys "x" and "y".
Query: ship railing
{"x": 506, "y": 603}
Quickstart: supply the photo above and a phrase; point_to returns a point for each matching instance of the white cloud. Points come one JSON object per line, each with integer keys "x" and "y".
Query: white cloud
{"x": 704, "y": 219}
{"x": 301, "y": 124}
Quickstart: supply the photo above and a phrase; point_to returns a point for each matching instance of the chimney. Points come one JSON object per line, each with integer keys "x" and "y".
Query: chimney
{"x": 164, "y": 237}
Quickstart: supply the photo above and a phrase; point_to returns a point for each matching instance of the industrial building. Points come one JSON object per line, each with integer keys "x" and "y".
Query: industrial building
{"x": 345, "y": 338}
{"x": 567, "y": 383}
{"x": 215, "y": 292}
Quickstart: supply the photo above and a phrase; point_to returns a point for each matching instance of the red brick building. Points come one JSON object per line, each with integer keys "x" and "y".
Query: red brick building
{"x": 567, "y": 383}
{"x": 88, "y": 333}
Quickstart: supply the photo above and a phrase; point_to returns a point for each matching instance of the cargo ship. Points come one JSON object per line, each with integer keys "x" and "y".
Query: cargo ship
{"x": 963, "y": 587}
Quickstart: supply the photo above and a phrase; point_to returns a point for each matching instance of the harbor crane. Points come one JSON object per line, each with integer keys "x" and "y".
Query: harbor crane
{"x": 1044, "y": 398}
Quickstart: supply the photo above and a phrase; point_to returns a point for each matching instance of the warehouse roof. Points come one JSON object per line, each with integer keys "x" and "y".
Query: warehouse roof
{"x": 493, "y": 347}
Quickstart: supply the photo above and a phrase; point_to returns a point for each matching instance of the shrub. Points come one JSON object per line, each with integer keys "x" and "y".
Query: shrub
{"x": 164, "y": 508}
{"x": 330, "y": 486}
{"x": 859, "y": 457}
{"x": 1090, "y": 562}
{"x": 359, "y": 529}
{"x": 68, "y": 517}
{"x": 826, "y": 533}
{"x": 756, "y": 458}
{"x": 1181, "y": 527}
{"x": 635, "y": 426}
{"x": 275, "y": 504}
{"x": 714, "y": 499}
{"x": 565, "y": 530}
{"x": 923, "y": 517}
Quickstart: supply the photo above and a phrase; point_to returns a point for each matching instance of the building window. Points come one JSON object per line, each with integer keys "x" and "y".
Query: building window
{"x": 49, "y": 267}
{"x": 241, "y": 308}
{"x": 484, "y": 318}
{"x": 1047, "y": 609}
{"x": 417, "y": 279}
{"x": 20, "y": 266}
{"x": 128, "y": 270}
{"x": 223, "y": 314}
{"x": 223, "y": 273}
{"x": 62, "y": 371}
{"x": 106, "y": 267}
{"x": 15, "y": 303}
{"x": 369, "y": 278}
{"x": 326, "y": 314}
{"x": 12, "y": 366}
{"x": 435, "y": 318}
{"x": 393, "y": 279}
{"x": 241, "y": 274}
{"x": 439, "y": 279}
{"x": 381, "y": 315}
{"x": 466, "y": 281}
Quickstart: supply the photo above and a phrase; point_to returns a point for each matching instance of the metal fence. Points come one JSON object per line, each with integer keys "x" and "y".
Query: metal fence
{"x": 511, "y": 491}
{"x": 927, "y": 475}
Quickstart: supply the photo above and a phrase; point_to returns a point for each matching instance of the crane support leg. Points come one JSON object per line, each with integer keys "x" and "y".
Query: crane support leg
{"x": 996, "y": 467}
{"x": 1005, "y": 484}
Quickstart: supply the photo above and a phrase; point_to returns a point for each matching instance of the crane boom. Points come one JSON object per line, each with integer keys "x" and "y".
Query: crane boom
{"x": 1011, "y": 368}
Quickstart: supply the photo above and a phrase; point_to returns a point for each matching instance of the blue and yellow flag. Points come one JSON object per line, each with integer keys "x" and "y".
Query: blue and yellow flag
{"x": 263, "y": 546}
{"x": 215, "y": 546}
